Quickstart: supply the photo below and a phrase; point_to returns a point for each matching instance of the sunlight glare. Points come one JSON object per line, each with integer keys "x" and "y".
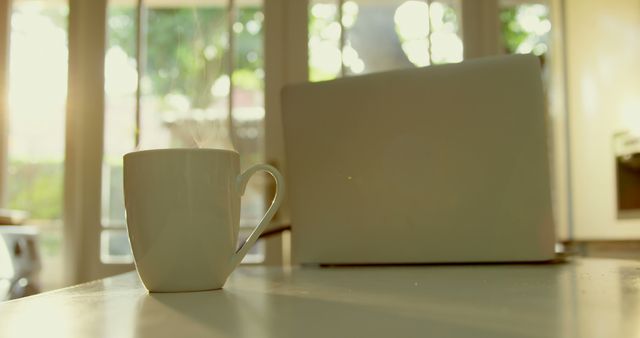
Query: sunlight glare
{"x": 413, "y": 29}
{"x": 323, "y": 11}
{"x": 351, "y": 59}
{"x": 325, "y": 57}
{"x": 412, "y": 20}
{"x": 349, "y": 13}
{"x": 32, "y": 37}
{"x": 121, "y": 76}
{"x": 220, "y": 87}
{"x": 331, "y": 32}
{"x": 447, "y": 47}
{"x": 37, "y": 83}
{"x": 417, "y": 51}
{"x": 437, "y": 16}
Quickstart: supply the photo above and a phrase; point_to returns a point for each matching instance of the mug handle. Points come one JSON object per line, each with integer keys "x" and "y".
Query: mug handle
{"x": 241, "y": 184}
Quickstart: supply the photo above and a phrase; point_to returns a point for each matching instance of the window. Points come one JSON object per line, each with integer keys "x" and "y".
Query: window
{"x": 363, "y": 36}
{"x": 121, "y": 83}
{"x": 37, "y": 96}
{"x": 325, "y": 32}
{"x": 201, "y": 85}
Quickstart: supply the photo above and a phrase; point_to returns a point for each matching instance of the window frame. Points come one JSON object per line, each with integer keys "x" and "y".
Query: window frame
{"x": 141, "y": 46}
{"x": 5, "y": 33}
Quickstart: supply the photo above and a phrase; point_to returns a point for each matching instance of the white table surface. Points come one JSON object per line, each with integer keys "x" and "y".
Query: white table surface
{"x": 583, "y": 298}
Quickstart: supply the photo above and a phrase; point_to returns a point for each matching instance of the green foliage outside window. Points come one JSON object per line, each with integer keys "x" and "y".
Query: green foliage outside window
{"x": 37, "y": 188}
{"x": 187, "y": 49}
{"x": 525, "y": 28}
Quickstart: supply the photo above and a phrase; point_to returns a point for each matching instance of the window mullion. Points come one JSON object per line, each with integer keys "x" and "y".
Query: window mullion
{"x": 141, "y": 51}
{"x": 231, "y": 16}
{"x": 343, "y": 39}
{"x": 84, "y": 138}
{"x": 5, "y": 31}
{"x": 480, "y": 28}
{"x": 430, "y": 34}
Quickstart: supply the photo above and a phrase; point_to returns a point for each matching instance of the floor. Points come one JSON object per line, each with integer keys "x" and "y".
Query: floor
{"x": 605, "y": 249}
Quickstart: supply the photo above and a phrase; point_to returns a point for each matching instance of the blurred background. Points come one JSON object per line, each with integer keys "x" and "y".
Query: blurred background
{"x": 84, "y": 82}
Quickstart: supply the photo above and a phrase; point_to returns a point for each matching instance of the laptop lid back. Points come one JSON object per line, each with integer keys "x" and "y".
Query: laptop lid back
{"x": 439, "y": 164}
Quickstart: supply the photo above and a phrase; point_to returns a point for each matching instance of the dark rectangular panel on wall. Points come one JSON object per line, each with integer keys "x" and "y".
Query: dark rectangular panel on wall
{"x": 628, "y": 183}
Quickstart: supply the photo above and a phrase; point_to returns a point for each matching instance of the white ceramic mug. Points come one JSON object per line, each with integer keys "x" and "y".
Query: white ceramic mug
{"x": 183, "y": 216}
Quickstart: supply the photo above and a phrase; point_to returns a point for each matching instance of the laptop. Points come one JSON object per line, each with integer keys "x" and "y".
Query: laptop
{"x": 443, "y": 164}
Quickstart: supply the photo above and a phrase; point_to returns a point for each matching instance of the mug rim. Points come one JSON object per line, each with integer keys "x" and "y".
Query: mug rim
{"x": 170, "y": 150}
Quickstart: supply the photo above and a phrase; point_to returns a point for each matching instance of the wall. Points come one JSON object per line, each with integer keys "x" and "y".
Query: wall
{"x": 603, "y": 84}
